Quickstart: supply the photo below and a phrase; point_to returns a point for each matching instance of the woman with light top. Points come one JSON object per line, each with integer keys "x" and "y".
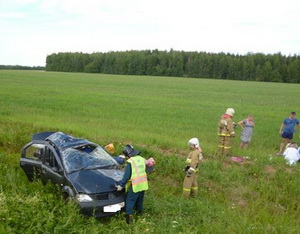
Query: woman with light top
{"x": 247, "y": 125}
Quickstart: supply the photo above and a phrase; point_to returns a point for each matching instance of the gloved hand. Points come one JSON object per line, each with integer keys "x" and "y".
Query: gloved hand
{"x": 189, "y": 172}
{"x": 186, "y": 169}
{"x": 119, "y": 187}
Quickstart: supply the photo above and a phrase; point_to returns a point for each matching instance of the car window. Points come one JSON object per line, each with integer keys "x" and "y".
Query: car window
{"x": 75, "y": 159}
{"x": 50, "y": 159}
{"x": 35, "y": 152}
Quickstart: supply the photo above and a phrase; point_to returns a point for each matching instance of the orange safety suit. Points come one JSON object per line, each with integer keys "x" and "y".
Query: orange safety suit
{"x": 226, "y": 133}
{"x": 190, "y": 183}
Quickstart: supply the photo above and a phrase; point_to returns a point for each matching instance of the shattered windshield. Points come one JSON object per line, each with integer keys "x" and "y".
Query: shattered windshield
{"x": 76, "y": 159}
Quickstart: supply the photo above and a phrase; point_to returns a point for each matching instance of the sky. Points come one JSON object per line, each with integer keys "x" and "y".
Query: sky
{"x": 32, "y": 29}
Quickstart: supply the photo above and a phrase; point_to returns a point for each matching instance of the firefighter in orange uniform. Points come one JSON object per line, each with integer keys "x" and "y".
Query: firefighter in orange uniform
{"x": 226, "y": 132}
{"x": 190, "y": 183}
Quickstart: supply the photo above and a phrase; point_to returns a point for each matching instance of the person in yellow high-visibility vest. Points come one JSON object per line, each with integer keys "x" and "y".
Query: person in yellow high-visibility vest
{"x": 226, "y": 132}
{"x": 190, "y": 183}
{"x": 135, "y": 181}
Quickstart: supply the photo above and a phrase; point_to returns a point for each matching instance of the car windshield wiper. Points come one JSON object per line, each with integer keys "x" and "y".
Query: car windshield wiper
{"x": 78, "y": 169}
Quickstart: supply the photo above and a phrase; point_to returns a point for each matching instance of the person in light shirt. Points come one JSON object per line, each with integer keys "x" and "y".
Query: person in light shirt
{"x": 291, "y": 153}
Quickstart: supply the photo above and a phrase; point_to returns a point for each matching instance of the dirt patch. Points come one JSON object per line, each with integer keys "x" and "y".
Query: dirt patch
{"x": 270, "y": 169}
{"x": 239, "y": 191}
{"x": 249, "y": 162}
{"x": 242, "y": 203}
{"x": 167, "y": 152}
{"x": 169, "y": 181}
{"x": 212, "y": 186}
{"x": 254, "y": 194}
{"x": 238, "y": 196}
{"x": 289, "y": 170}
{"x": 227, "y": 164}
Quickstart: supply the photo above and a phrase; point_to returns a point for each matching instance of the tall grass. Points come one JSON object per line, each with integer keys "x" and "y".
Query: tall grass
{"x": 145, "y": 110}
{"x": 158, "y": 115}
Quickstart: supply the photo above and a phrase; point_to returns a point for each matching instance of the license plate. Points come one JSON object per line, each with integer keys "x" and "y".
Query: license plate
{"x": 114, "y": 207}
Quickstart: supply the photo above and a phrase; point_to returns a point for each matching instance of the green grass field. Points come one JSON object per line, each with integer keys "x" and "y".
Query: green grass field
{"x": 158, "y": 115}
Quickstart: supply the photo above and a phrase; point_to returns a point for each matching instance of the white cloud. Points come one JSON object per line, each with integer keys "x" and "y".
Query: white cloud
{"x": 12, "y": 15}
{"x": 46, "y": 26}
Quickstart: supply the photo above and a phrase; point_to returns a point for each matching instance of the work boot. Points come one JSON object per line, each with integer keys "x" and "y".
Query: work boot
{"x": 129, "y": 219}
{"x": 139, "y": 213}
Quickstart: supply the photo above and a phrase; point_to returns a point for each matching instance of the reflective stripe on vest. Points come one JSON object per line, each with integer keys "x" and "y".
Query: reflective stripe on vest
{"x": 186, "y": 190}
{"x": 188, "y": 161}
{"x": 138, "y": 174}
{"x": 224, "y": 134}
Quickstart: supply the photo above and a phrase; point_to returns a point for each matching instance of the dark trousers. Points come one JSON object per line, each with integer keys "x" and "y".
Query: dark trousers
{"x": 134, "y": 200}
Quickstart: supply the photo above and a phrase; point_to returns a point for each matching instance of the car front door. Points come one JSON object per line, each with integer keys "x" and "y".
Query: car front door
{"x": 31, "y": 160}
{"x": 51, "y": 167}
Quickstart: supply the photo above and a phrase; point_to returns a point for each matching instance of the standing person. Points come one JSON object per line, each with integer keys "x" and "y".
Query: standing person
{"x": 287, "y": 130}
{"x": 226, "y": 132}
{"x": 247, "y": 125}
{"x": 135, "y": 181}
{"x": 190, "y": 184}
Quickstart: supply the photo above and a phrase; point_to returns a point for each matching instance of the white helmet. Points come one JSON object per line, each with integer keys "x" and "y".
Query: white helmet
{"x": 230, "y": 111}
{"x": 194, "y": 141}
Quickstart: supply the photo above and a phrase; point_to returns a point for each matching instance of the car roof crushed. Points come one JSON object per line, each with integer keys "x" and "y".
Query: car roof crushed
{"x": 61, "y": 140}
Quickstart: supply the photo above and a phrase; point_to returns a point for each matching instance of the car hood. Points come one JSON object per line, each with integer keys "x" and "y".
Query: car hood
{"x": 95, "y": 181}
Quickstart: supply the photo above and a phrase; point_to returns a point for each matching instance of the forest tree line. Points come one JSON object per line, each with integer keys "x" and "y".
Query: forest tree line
{"x": 250, "y": 67}
{"x": 19, "y": 67}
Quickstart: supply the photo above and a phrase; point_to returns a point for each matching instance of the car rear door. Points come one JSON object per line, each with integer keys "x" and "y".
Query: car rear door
{"x": 52, "y": 169}
{"x": 31, "y": 160}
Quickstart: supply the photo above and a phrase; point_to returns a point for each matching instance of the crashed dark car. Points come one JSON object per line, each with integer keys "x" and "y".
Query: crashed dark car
{"x": 85, "y": 172}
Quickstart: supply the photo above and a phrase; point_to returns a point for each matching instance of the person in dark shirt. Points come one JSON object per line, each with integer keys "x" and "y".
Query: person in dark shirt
{"x": 134, "y": 181}
{"x": 287, "y": 130}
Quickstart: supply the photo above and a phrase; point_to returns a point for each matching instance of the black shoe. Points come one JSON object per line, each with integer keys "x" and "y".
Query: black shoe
{"x": 128, "y": 219}
{"x": 139, "y": 213}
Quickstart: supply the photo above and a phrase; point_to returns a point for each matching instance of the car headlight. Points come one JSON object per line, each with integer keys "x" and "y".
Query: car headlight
{"x": 83, "y": 198}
